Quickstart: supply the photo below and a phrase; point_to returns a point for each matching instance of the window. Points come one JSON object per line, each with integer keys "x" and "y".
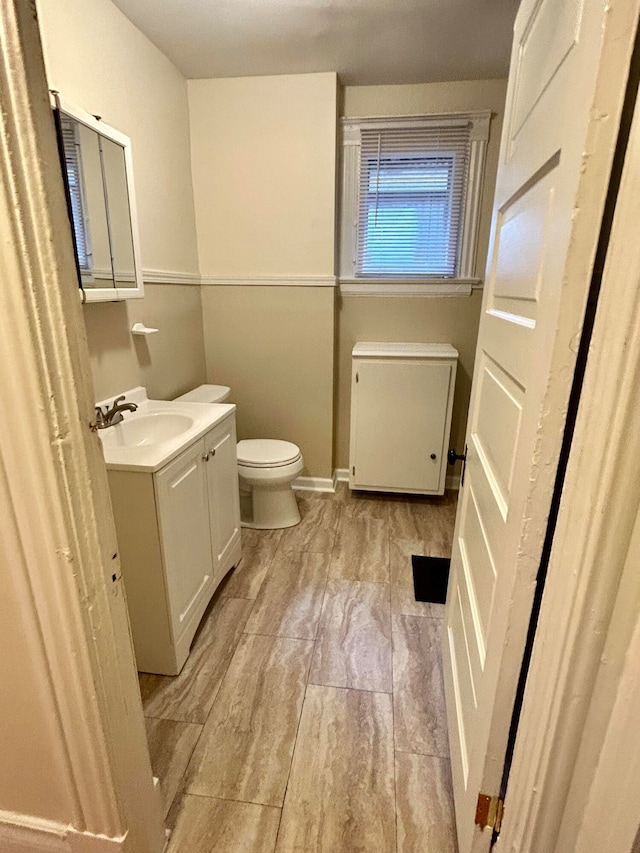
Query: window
{"x": 410, "y": 198}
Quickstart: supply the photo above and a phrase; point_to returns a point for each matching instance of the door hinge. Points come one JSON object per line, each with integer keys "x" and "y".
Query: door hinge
{"x": 489, "y": 812}
{"x": 357, "y": 377}
{"x": 353, "y": 470}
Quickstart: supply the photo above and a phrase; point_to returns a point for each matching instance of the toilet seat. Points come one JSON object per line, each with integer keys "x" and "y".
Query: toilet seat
{"x": 266, "y": 453}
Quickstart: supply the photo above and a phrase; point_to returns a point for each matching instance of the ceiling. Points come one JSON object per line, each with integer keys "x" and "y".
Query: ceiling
{"x": 365, "y": 41}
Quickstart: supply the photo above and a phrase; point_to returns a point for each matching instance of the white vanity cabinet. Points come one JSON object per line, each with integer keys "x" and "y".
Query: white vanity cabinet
{"x": 179, "y": 533}
{"x": 401, "y": 402}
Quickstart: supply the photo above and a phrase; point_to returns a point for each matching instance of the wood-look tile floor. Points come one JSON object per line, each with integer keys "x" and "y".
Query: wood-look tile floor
{"x": 310, "y": 714}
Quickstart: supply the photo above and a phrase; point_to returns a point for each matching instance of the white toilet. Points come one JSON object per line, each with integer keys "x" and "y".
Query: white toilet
{"x": 267, "y": 468}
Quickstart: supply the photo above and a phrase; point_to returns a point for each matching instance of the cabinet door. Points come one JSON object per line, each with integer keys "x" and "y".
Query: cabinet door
{"x": 186, "y": 543}
{"x": 224, "y": 500}
{"x": 399, "y": 416}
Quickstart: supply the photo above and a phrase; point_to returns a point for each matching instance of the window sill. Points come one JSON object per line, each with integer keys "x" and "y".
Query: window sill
{"x": 409, "y": 287}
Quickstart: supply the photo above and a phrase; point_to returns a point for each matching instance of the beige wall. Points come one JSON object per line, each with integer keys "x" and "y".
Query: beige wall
{"x": 451, "y": 320}
{"x": 98, "y": 60}
{"x": 274, "y": 347}
{"x": 263, "y": 153}
{"x": 264, "y": 165}
{"x": 168, "y": 363}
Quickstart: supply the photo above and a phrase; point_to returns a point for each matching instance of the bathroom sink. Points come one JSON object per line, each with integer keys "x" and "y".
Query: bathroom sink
{"x": 157, "y": 432}
{"x": 140, "y": 430}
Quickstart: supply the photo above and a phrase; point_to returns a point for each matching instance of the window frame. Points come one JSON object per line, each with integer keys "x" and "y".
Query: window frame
{"x": 395, "y": 285}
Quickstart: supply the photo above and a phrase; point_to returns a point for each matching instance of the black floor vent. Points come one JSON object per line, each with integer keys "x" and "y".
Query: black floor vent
{"x": 430, "y": 578}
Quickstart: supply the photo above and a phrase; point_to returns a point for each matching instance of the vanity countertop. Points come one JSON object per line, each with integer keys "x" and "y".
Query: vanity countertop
{"x": 157, "y": 432}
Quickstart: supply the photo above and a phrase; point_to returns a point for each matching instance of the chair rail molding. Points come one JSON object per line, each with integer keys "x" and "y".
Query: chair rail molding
{"x": 167, "y": 277}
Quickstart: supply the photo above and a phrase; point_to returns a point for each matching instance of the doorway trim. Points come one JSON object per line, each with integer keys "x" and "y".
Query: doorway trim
{"x": 58, "y": 534}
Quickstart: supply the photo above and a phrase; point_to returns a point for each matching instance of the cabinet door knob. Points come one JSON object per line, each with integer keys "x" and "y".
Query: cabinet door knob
{"x": 212, "y": 452}
{"x": 433, "y": 455}
{"x": 206, "y": 457}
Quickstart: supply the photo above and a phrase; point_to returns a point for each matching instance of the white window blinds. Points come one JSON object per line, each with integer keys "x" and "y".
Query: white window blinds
{"x": 72, "y": 155}
{"x": 413, "y": 182}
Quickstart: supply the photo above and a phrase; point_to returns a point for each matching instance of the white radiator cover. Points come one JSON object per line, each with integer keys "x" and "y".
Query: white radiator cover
{"x": 401, "y": 403}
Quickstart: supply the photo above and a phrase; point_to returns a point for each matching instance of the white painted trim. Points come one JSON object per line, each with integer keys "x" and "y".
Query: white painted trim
{"x": 315, "y": 484}
{"x": 349, "y": 201}
{"x": 25, "y": 834}
{"x": 165, "y": 277}
{"x": 407, "y": 287}
{"x": 102, "y": 129}
{"x": 58, "y": 545}
{"x": 479, "y": 119}
{"x": 273, "y": 281}
{"x": 473, "y": 203}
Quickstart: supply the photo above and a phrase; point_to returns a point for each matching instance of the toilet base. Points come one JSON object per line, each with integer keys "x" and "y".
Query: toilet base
{"x": 269, "y": 509}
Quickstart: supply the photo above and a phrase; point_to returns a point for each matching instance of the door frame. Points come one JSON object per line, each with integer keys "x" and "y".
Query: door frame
{"x": 566, "y": 769}
{"x": 59, "y": 538}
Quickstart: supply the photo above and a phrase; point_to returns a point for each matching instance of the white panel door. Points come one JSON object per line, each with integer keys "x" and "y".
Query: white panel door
{"x": 186, "y": 539}
{"x": 224, "y": 501}
{"x": 567, "y": 77}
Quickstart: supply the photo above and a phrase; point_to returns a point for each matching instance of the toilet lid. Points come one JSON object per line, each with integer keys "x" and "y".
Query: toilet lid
{"x": 266, "y": 452}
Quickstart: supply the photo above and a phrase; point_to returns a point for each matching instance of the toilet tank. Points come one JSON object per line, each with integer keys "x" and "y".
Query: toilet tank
{"x": 206, "y": 394}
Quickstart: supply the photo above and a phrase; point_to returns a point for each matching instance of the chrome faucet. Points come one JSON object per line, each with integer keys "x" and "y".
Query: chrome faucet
{"x": 110, "y": 416}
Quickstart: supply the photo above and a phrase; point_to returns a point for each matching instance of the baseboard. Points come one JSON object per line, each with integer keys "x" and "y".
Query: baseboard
{"x": 315, "y": 484}
{"x": 26, "y": 834}
{"x": 341, "y": 475}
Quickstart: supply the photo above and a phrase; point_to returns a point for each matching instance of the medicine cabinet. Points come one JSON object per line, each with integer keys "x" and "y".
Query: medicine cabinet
{"x": 98, "y": 175}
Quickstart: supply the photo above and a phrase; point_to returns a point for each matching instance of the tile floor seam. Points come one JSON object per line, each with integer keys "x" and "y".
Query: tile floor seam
{"x": 278, "y": 636}
{"x": 232, "y": 800}
{"x": 393, "y": 702}
{"x": 353, "y": 689}
{"x": 357, "y": 689}
{"x": 182, "y": 791}
{"x": 293, "y": 751}
{"x": 171, "y": 720}
{"x": 425, "y": 754}
{"x": 250, "y": 802}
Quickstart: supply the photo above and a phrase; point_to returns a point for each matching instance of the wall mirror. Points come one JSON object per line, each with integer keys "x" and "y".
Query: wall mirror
{"x": 98, "y": 174}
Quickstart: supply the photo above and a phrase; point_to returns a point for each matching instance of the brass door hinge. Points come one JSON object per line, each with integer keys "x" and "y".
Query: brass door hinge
{"x": 489, "y": 812}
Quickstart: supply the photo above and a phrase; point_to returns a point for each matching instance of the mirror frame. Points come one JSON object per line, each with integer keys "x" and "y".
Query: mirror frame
{"x": 109, "y": 294}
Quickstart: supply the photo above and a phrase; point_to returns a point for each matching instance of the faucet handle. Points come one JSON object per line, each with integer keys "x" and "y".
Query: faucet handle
{"x": 100, "y": 416}
{"x": 116, "y": 402}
